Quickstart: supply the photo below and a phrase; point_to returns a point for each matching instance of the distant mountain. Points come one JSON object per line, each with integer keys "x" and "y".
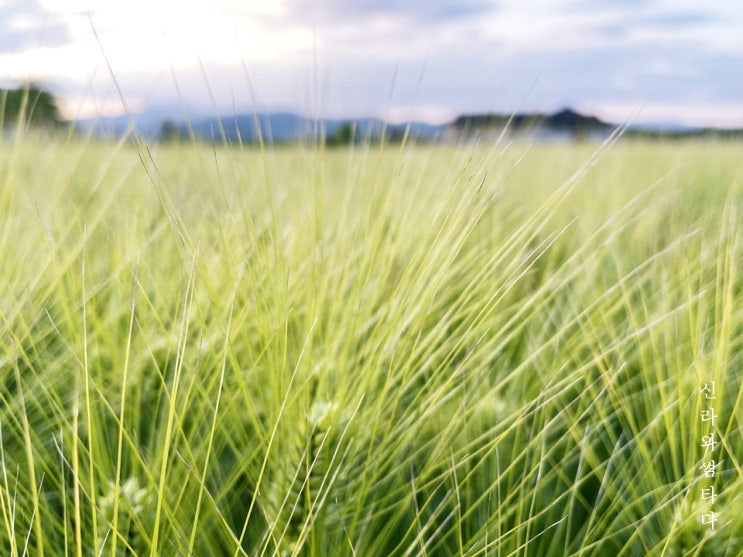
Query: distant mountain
{"x": 148, "y": 122}
{"x": 288, "y": 127}
{"x": 568, "y": 119}
{"x": 280, "y": 127}
{"x": 569, "y": 125}
{"x": 565, "y": 124}
{"x": 167, "y": 123}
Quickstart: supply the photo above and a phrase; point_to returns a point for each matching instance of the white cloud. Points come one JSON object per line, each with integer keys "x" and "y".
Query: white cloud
{"x": 432, "y": 113}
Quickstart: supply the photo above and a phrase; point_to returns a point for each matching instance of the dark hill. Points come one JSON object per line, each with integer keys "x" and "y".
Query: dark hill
{"x": 566, "y": 120}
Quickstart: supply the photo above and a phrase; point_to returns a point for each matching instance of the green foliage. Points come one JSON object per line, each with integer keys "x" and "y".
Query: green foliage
{"x": 28, "y": 106}
{"x": 344, "y": 135}
{"x": 171, "y": 132}
{"x": 404, "y": 351}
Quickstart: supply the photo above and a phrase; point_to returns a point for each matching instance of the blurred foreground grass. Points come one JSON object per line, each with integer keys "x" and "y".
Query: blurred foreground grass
{"x": 417, "y": 351}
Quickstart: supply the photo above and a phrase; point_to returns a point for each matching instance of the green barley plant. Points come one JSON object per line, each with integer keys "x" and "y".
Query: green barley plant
{"x": 375, "y": 350}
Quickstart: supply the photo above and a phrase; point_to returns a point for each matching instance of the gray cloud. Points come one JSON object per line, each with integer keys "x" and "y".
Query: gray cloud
{"x": 42, "y": 29}
{"x": 409, "y": 10}
{"x": 640, "y": 15}
{"x": 623, "y": 26}
{"x": 478, "y": 72}
{"x": 682, "y": 72}
{"x": 682, "y": 20}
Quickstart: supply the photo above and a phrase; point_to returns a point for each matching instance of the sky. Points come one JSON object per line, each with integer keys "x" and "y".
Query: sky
{"x": 664, "y": 61}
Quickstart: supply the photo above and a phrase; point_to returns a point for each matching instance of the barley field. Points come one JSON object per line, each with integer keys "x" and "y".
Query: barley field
{"x": 391, "y": 350}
